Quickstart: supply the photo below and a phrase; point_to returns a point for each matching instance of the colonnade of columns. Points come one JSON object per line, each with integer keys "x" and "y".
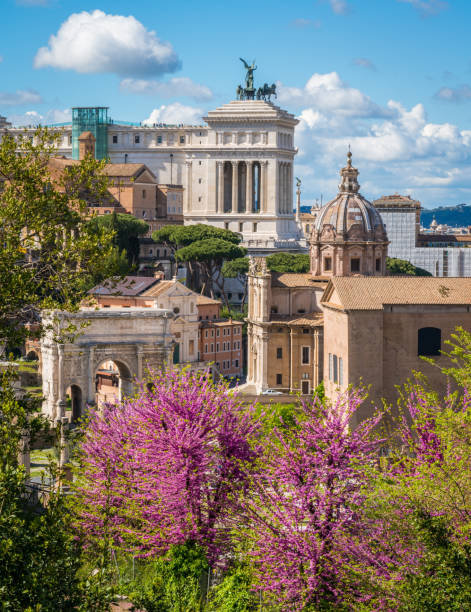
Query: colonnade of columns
{"x": 285, "y": 182}
{"x": 241, "y": 186}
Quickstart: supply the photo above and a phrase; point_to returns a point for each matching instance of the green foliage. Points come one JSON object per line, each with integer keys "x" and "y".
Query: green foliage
{"x": 236, "y": 268}
{"x": 179, "y": 236}
{"x": 444, "y": 580}
{"x": 294, "y": 263}
{"x": 234, "y": 593}
{"x": 460, "y": 356}
{"x": 174, "y": 582}
{"x": 210, "y": 250}
{"x": 126, "y": 230}
{"x": 401, "y": 267}
{"x": 49, "y": 251}
{"x": 39, "y": 557}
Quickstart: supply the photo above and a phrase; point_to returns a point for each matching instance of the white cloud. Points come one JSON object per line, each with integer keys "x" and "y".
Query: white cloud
{"x": 301, "y": 22}
{"x": 396, "y": 150}
{"x": 35, "y": 118}
{"x": 178, "y": 86}
{"x": 340, "y": 7}
{"x": 96, "y": 42}
{"x": 327, "y": 92}
{"x": 456, "y": 94}
{"x": 175, "y": 113}
{"x": 364, "y": 62}
{"x": 19, "y": 97}
{"x": 427, "y": 8}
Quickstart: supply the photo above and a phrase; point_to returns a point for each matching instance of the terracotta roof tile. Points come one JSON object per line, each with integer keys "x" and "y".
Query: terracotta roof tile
{"x": 372, "y": 293}
{"x": 130, "y": 286}
{"x": 297, "y": 280}
{"x": 313, "y": 319}
{"x": 202, "y": 300}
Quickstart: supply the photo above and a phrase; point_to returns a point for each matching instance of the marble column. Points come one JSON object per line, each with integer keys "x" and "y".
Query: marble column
{"x": 263, "y": 195}
{"x": 188, "y": 186}
{"x": 220, "y": 181}
{"x": 61, "y": 403}
{"x": 235, "y": 186}
{"x": 249, "y": 187}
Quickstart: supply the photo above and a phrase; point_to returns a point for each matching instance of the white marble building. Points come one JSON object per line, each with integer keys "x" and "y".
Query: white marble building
{"x": 236, "y": 170}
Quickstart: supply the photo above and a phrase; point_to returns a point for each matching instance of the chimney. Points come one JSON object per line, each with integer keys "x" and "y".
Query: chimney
{"x": 86, "y": 145}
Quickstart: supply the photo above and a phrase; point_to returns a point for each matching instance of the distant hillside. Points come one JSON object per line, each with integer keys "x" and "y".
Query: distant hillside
{"x": 450, "y": 215}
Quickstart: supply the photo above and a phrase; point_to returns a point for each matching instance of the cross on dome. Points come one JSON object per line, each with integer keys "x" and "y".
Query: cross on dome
{"x": 349, "y": 176}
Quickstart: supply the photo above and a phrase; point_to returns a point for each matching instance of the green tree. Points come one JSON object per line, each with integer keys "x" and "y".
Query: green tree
{"x": 50, "y": 252}
{"x": 294, "y": 263}
{"x": 238, "y": 268}
{"x": 402, "y": 267}
{"x": 39, "y": 557}
{"x": 126, "y": 231}
{"x": 209, "y": 255}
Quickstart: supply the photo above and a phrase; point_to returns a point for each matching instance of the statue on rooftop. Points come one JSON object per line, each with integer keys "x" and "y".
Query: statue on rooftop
{"x": 249, "y": 75}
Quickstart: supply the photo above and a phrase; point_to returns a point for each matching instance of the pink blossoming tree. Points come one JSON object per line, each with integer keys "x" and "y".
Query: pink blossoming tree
{"x": 166, "y": 467}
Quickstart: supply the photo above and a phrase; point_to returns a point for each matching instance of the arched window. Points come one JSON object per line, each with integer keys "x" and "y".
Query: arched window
{"x": 429, "y": 341}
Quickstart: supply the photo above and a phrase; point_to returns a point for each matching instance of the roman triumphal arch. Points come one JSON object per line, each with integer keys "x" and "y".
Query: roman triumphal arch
{"x": 75, "y": 344}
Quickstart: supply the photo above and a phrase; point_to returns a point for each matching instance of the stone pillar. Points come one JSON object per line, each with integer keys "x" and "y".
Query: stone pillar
{"x": 281, "y": 188}
{"x": 298, "y": 204}
{"x": 264, "y": 182}
{"x": 24, "y": 456}
{"x": 264, "y": 360}
{"x": 316, "y": 361}
{"x": 249, "y": 187}
{"x": 91, "y": 376}
{"x": 291, "y": 359}
{"x": 290, "y": 189}
{"x": 220, "y": 187}
{"x": 235, "y": 186}
{"x": 139, "y": 363}
{"x": 188, "y": 186}
{"x": 61, "y": 403}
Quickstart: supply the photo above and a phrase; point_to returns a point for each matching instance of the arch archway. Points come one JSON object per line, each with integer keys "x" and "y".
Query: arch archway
{"x": 113, "y": 382}
{"x": 74, "y": 402}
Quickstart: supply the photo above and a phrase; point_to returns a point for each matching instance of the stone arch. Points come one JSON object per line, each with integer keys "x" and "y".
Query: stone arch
{"x": 135, "y": 339}
{"x": 32, "y": 355}
{"x": 76, "y": 402}
{"x": 124, "y": 380}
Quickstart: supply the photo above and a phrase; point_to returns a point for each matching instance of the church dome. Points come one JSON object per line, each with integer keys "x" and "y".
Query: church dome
{"x": 349, "y": 216}
{"x": 348, "y": 236}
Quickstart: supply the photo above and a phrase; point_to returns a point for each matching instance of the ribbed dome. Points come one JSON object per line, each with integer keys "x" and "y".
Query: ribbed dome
{"x": 349, "y": 216}
{"x": 348, "y": 236}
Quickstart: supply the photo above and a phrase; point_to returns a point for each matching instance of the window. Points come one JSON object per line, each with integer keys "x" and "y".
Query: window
{"x": 176, "y": 310}
{"x": 429, "y": 341}
{"x": 378, "y": 264}
{"x": 301, "y": 311}
{"x": 212, "y": 347}
{"x": 206, "y": 334}
{"x": 191, "y": 347}
{"x": 327, "y": 264}
{"x": 199, "y": 161}
{"x": 279, "y": 379}
{"x": 115, "y": 140}
{"x": 182, "y": 139}
{"x": 70, "y": 140}
{"x": 279, "y": 353}
{"x": 335, "y": 360}
{"x": 150, "y": 251}
{"x": 205, "y": 348}
{"x": 217, "y": 333}
{"x": 305, "y": 330}
{"x": 355, "y": 264}
{"x": 212, "y": 333}
{"x": 305, "y": 355}
{"x": 241, "y": 227}
{"x": 144, "y": 213}
{"x": 144, "y": 194}
{"x": 199, "y": 181}
{"x": 254, "y": 227}
{"x": 217, "y": 347}
{"x": 159, "y": 139}
{"x": 137, "y": 139}
{"x": 274, "y": 309}
{"x": 240, "y": 295}
{"x": 226, "y": 225}
{"x": 199, "y": 198}
{"x": 340, "y": 371}
{"x": 236, "y": 363}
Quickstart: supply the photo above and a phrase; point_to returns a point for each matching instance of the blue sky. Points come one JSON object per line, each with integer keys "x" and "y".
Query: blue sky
{"x": 390, "y": 77}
